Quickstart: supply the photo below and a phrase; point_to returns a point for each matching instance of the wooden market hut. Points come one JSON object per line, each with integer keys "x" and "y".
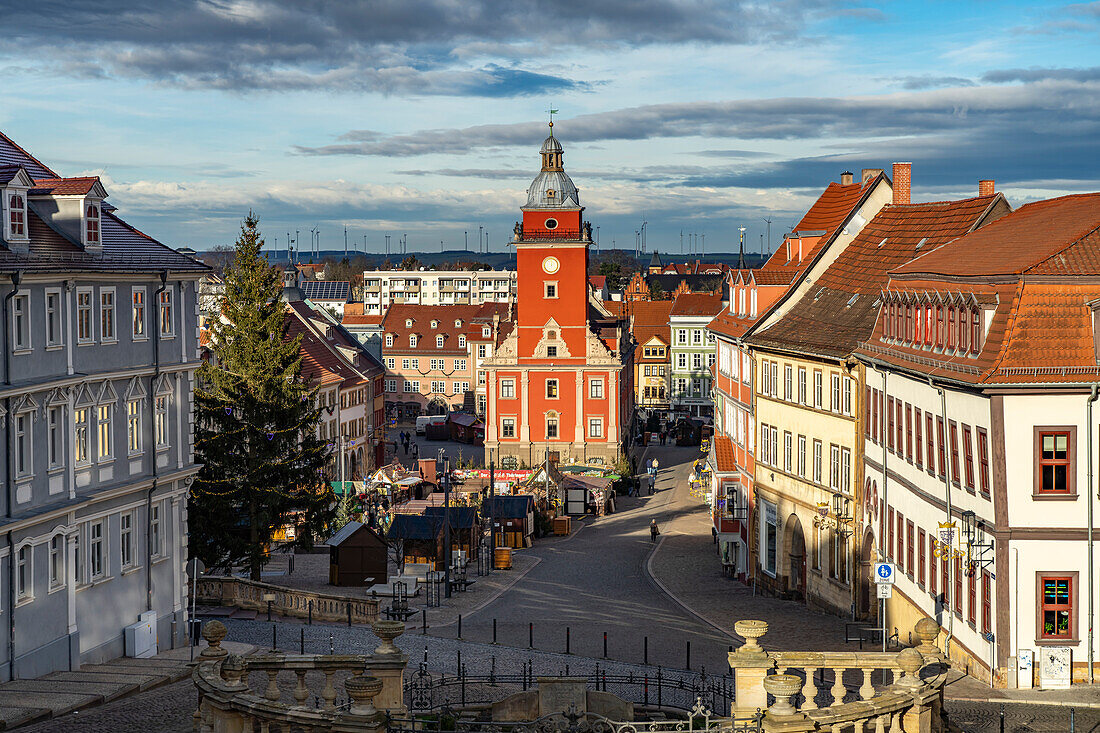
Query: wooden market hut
{"x": 515, "y": 516}
{"x": 357, "y": 556}
{"x": 466, "y": 428}
{"x": 421, "y": 538}
{"x": 465, "y": 526}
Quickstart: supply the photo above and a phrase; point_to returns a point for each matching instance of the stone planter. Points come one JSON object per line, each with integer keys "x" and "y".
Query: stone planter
{"x": 213, "y": 632}
{"x": 362, "y": 691}
{"x": 782, "y": 687}
{"x": 751, "y": 630}
{"x": 928, "y": 631}
{"x": 387, "y": 631}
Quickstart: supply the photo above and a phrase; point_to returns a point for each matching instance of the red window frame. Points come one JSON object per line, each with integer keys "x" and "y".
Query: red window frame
{"x": 910, "y": 550}
{"x": 922, "y": 560}
{"x": 945, "y": 576}
{"x": 874, "y": 410}
{"x": 971, "y": 598}
{"x": 901, "y": 542}
{"x": 890, "y": 424}
{"x": 909, "y": 323}
{"x": 92, "y": 217}
{"x": 958, "y": 583}
{"x": 18, "y": 209}
{"x": 1053, "y": 599}
{"x": 933, "y": 570}
{"x": 890, "y": 534}
{"x": 942, "y": 463}
{"x": 964, "y": 331}
{"x": 939, "y": 326}
{"x": 954, "y": 428}
{"x": 930, "y": 437}
{"x": 908, "y": 432}
{"x": 918, "y": 325}
{"x": 867, "y": 412}
{"x": 1054, "y": 463}
{"x": 900, "y": 428}
{"x": 987, "y": 602}
{"x": 983, "y": 461}
{"x": 975, "y": 331}
{"x": 918, "y": 437}
{"x": 952, "y": 326}
{"x": 968, "y": 457}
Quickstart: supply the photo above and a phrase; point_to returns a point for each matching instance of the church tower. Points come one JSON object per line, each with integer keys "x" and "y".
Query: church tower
{"x": 557, "y": 386}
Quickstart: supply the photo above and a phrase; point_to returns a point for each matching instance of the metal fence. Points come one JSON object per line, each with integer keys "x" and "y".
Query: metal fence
{"x": 426, "y": 691}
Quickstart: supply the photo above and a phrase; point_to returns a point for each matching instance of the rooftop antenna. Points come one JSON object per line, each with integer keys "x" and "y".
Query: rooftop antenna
{"x": 345, "y": 240}
{"x": 769, "y": 223}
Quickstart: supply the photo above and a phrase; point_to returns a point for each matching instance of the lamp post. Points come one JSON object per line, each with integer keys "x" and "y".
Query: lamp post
{"x": 446, "y": 524}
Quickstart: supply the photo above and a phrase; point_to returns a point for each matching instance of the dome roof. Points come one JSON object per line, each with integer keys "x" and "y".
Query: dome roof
{"x": 552, "y": 190}
{"x": 551, "y": 145}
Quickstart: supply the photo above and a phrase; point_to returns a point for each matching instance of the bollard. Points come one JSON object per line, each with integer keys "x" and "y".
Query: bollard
{"x": 494, "y": 631}
{"x": 605, "y": 645}
{"x": 566, "y": 639}
{"x": 1002, "y": 717}
{"x": 311, "y": 612}
{"x": 531, "y": 635}
{"x": 331, "y": 644}
{"x": 303, "y": 642}
{"x": 349, "y": 614}
{"x": 460, "y": 626}
{"x": 274, "y": 638}
{"x": 425, "y": 655}
{"x": 659, "y": 699}
{"x": 645, "y": 651}
{"x": 459, "y": 662}
{"x": 1072, "y": 721}
{"x": 269, "y": 610}
{"x": 424, "y": 620}
{"x": 687, "y": 664}
{"x": 492, "y": 671}
{"x": 645, "y": 687}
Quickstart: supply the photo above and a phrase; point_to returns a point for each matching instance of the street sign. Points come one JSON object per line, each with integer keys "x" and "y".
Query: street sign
{"x": 884, "y": 590}
{"x": 884, "y": 573}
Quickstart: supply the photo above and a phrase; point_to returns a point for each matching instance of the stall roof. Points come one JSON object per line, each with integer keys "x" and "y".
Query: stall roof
{"x": 460, "y": 516}
{"x": 415, "y": 527}
{"x": 346, "y": 531}
{"x": 508, "y": 506}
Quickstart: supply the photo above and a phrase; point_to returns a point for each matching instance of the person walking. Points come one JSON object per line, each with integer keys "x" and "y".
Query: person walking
{"x": 653, "y": 530}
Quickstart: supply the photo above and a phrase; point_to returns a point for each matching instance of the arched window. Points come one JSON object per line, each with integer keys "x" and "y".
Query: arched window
{"x": 17, "y": 209}
{"x": 92, "y": 223}
{"x": 551, "y": 425}
{"x": 389, "y": 340}
{"x": 439, "y": 342}
{"x": 412, "y": 341}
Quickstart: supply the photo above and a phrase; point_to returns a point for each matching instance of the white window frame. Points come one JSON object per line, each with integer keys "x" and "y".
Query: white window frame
{"x": 507, "y": 427}
{"x": 126, "y": 540}
{"x": 108, "y": 331}
{"x": 56, "y": 566}
{"x": 134, "y": 437}
{"x": 97, "y": 550}
{"x": 595, "y": 389}
{"x": 439, "y": 341}
{"x": 54, "y": 318}
{"x": 819, "y": 449}
{"x": 507, "y": 389}
{"x": 802, "y": 456}
{"x": 55, "y": 437}
{"x": 24, "y": 445}
{"x": 21, "y": 339}
{"x": 24, "y": 573}
{"x": 389, "y": 340}
{"x": 138, "y": 329}
{"x": 166, "y": 323}
{"x": 82, "y": 435}
{"x": 391, "y": 385}
{"x": 105, "y": 423}
{"x": 412, "y": 341}
{"x": 460, "y": 365}
{"x": 461, "y": 341}
{"x": 84, "y": 316}
{"x": 595, "y": 427}
{"x": 156, "y": 543}
{"x": 160, "y": 420}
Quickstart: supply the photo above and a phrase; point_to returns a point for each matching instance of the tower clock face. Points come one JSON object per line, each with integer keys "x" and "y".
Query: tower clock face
{"x": 550, "y": 265}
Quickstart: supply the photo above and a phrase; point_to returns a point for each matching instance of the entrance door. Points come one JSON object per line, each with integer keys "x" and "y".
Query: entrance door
{"x": 867, "y": 608}
{"x": 796, "y": 579}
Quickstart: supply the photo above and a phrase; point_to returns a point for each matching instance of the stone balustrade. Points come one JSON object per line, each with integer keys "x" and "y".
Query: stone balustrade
{"x": 251, "y": 594}
{"x": 911, "y": 702}
{"x": 284, "y": 692}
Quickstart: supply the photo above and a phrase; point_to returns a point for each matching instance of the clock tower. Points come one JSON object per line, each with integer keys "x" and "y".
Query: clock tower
{"x": 556, "y": 384}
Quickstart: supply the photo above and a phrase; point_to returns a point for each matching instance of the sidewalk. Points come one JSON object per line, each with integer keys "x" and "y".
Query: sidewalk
{"x": 961, "y": 688}
{"x": 60, "y": 693}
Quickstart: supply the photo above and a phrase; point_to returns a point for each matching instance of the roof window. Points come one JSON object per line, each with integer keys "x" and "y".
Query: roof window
{"x": 17, "y": 216}
{"x": 435, "y": 323}
{"x": 408, "y": 323}
{"x": 922, "y": 242}
{"x": 883, "y": 241}
{"x": 852, "y": 300}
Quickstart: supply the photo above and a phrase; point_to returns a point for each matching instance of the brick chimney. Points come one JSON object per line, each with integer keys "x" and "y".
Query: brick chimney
{"x": 903, "y": 179}
{"x": 986, "y": 187}
{"x": 846, "y": 178}
{"x": 868, "y": 174}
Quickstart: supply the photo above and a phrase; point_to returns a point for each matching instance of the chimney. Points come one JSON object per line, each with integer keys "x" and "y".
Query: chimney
{"x": 846, "y": 178}
{"x": 903, "y": 177}
{"x": 986, "y": 187}
{"x": 427, "y": 469}
{"x": 869, "y": 175}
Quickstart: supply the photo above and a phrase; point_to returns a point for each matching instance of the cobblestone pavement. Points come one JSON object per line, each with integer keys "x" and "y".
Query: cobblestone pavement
{"x": 164, "y": 709}
{"x": 972, "y": 717}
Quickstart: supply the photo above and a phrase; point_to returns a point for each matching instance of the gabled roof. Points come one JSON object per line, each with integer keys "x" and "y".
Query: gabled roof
{"x": 323, "y": 361}
{"x": 12, "y": 154}
{"x": 445, "y": 315}
{"x": 727, "y": 324}
{"x": 696, "y": 304}
{"x": 1045, "y": 237}
{"x": 415, "y": 527}
{"x": 64, "y": 186}
{"x": 841, "y": 308}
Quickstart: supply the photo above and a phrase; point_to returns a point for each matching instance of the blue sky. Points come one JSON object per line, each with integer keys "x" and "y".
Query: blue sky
{"x": 425, "y": 116}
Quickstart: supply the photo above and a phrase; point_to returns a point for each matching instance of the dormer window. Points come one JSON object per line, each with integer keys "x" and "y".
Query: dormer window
{"x": 408, "y": 323}
{"x": 485, "y": 333}
{"x": 91, "y": 224}
{"x": 435, "y": 324}
{"x": 462, "y": 342}
{"x": 412, "y": 341}
{"x": 17, "y": 215}
{"x": 389, "y": 340}
{"x": 458, "y": 323}
{"x": 439, "y": 342}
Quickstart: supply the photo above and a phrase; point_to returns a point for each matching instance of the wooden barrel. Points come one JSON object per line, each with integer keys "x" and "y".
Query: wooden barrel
{"x": 502, "y": 558}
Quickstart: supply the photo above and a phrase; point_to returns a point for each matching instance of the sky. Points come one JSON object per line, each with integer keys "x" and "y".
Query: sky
{"x": 424, "y": 117}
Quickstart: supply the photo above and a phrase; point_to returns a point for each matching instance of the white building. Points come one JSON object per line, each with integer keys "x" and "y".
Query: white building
{"x": 978, "y": 427}
{"x": 383, "y": 288}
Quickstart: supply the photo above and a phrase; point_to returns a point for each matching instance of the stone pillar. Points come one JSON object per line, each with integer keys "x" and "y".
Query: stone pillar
{"x": 579, "y": 377}
{"x": 525, "y": 414}
{"x": 751, "y": 665}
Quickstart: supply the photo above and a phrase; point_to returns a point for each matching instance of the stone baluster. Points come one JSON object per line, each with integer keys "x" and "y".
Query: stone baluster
{"x": 838, "y": 689}
{"x": 809, "y": 690}
{"x": 301, "y": 692}
{"x": 328, "y": 692}
{"x": 272, "y": 691}
{"x": 895, "y": 723}
{"x": 858, "y": 727}
{"x": 880, "y": 723}
{"x": 233, "y": 671}
{"x": 867, "y": 689}
{"x": 265, "y": 726}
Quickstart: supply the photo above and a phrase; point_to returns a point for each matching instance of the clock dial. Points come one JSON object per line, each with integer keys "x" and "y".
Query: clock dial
{"x": 550, "y": 265}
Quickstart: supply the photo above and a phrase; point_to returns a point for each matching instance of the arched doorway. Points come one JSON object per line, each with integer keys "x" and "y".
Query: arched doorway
{"x": 438, "y": 406}
{"x": 867, "y": 607}
{"x": 796, "y": 556}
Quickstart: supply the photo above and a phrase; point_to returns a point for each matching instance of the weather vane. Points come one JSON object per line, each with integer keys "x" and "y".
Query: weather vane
{"x": 552, "y": 112}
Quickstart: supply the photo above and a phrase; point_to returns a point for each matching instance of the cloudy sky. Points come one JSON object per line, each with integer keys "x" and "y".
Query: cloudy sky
{"x": 425, "y": 116}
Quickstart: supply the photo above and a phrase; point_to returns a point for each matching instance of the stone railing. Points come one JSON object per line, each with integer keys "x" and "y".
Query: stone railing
{"x": 285, "y": 601}
{"x": 806, "y": 700}
{"x": 299, "y": 691}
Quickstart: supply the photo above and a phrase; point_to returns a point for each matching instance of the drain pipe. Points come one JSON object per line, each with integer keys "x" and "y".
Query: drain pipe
{"x": 155, "y": 328}
{"x": 9, "y": 499}
{"x": 947, "y": 490}
{"x": 1088, "y": 431}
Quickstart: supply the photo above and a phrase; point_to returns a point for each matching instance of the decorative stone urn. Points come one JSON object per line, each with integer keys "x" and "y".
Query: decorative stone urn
{"x": 751, "y": 630}
{"x": 928, "y": 631}
{"x": 233, "y": 670}
{"x": 387, "y": 631}
{"x": 782, "y": 687}
{"x": 910, "y": 661}
{"x": 213, "y": 632}
{"x": 362, "y": 691}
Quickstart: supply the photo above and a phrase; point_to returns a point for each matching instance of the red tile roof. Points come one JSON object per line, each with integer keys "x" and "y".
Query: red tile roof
{"x": 697, "y": 304}
{"x": 64, "y": 186}
{"x": 841, "y": 308}
{"x": 649, "y": 319}
{"x": 445, "y": 315}
{"x": 1044, "y": 237}
{"x": 597, "y": 281}
{"x": 724, "y": 458}
{"x": 730, "y": 325}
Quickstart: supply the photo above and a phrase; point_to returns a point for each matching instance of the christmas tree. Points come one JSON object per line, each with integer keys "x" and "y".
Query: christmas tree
{"x": 256, "y": 424}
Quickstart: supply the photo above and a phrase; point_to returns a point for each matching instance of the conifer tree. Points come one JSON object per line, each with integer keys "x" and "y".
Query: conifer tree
{"x": 256, "y": 424}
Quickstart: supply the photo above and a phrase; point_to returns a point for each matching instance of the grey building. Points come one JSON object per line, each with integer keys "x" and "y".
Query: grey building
{"x": 100, "y": 345}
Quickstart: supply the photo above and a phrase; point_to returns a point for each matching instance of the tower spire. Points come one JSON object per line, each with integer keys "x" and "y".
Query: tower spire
{"x": 741, "y": 252}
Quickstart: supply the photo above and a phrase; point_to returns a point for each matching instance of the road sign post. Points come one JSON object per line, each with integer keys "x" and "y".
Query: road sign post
{"x": 884, "y": 582}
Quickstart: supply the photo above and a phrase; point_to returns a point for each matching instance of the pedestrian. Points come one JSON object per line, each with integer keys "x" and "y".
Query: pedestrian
{"x": 714, "y": 533}
{"x": 662, "y": 437}
{"x": 653, "y": 530}
{"x": 406, "y": 446}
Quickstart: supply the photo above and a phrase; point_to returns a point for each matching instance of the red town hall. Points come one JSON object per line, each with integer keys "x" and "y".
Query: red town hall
{"x": 559, "y": 386}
